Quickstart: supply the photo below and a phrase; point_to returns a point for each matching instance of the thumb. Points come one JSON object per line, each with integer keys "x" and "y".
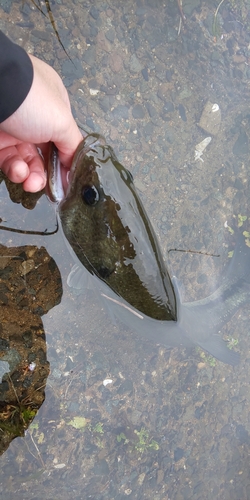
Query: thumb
{"x": 68, "y": 144}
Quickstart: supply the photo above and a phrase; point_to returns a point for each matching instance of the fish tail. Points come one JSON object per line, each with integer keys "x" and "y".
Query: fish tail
{"x": 217, "y": 347}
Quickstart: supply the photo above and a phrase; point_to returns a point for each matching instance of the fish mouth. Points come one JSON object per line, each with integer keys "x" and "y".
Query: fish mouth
{"x": 58, "y": 177}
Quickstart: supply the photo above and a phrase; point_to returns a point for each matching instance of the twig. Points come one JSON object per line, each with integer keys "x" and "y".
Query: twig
{"x": 193, "y": 251}
{"x": 13, "y": 387}
{"x": 179, "y": 3}
{"x": 37, "y": 449}
{"x": 23, "y": 231}
{"x": 217, "y": 10}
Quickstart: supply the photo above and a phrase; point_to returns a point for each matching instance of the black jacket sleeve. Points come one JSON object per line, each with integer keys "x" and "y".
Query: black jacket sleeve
{"x": 16, "y": 76}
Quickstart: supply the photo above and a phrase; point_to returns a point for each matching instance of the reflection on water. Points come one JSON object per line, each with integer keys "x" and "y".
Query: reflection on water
{"x": 145, "y": 88}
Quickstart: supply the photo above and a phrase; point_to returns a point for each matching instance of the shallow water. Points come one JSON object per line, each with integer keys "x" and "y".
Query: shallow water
{"x": 144, "y": 87}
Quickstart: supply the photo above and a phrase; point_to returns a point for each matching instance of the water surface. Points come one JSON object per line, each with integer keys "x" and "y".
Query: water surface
{"x": 144, "y": 87}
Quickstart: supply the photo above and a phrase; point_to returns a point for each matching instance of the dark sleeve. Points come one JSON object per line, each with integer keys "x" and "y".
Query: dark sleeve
{"x": 16, "y": 76}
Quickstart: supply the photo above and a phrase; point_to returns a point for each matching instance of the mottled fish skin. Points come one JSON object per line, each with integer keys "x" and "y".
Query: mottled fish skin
{"x": 112, "y": 237}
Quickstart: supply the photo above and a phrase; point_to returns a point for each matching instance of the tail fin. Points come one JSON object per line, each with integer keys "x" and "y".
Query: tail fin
{"x": 240, "y": 262}
{"x": 217, "y": 347}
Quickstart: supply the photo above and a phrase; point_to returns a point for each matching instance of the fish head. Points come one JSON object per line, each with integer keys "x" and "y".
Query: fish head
{"x": 89, "y": 213}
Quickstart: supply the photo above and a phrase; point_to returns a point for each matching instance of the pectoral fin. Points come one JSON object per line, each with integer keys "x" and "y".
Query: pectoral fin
{"x": 78, "y": 278}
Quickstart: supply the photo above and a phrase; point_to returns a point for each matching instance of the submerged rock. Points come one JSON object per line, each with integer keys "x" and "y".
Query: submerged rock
{"x": 211, "y": 118}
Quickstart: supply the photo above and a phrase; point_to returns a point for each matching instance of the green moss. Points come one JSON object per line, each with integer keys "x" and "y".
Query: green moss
{"x": 144, "y": 442}
{"x": 210, "y": 360}
{"x": 232, "y": 342}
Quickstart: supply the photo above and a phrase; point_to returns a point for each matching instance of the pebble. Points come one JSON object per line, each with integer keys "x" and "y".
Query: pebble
{"x": 241, "y": 146}
{"x": 182, "y": 112}
{"x": 140, "y": 185}
{"x": 71, "y": 71}
{"x": 151, "y": 109}
{"x": 42, "y": 35}
{"x": 101, "y": 468}
{"x": 94, "y": 12}
{"x": 211, "y": 118}
{"x": 134, "y": 64}
{"x": 120, "y": 111}
{"x": 138, "y": 111}
{"x": 110, "y": 35}
{"x": 144, "y": 73}
{"x": 107, "y": 381}
{"x": 4, "y": 368}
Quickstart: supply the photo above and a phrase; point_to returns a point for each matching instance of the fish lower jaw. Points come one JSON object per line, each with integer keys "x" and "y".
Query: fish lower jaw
{"x": 58, "y": 177}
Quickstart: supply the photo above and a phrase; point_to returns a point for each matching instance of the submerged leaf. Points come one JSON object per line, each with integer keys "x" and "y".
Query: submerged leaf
{"x": 241, "y": 219}
{"x": 78, "y": 422}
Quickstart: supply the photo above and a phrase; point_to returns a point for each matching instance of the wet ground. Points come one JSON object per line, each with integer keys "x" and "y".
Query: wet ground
{"x": 123, "y": 418}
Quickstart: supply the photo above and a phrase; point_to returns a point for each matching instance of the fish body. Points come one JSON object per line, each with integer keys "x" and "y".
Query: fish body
{"x": 107, "y": 227}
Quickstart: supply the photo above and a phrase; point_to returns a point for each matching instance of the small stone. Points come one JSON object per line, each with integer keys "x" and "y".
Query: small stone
{"x": 168, "y": 107}
{"x": 107, "y": 381}
{"x": 27, "y": 266}
{"x": 148, "y": 129}
{"x": 101, "y": 468}
{"x": 134, "y": 64}
{"x": 126, "y": 386}
{"x": 89, "y": 56}
{"x": 169, "y": 74}
{"x": 178, "y": 454}
{"x": 145, "y": 74}
{"x": 141, "y": 478}
{"x": 120, "y": 112}
{"x": 6, "y": 5}
{"x": 139, "y": 185}
{"x": 94, "y": 12}
{"x": 182, "y": 112}
{"x": 151, "y": 109}
{"x": 241, "y": 145}
{"x": 211, "y": 118}
{"x": 201, "y": 365}
{"x": 4, "y": 368}
{"x": 103, "y": 42}
{"x": 42, "y": 35}
{"x": 160, "y": 476}
{"x": 239, "y": 59}
{"x": 138, "y": 111}
{"x": 115, "y": 62}
{"x": 110, "y": 35}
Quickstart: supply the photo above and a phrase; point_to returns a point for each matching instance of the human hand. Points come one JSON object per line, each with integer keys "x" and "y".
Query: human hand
{"x": 44, "y": 116}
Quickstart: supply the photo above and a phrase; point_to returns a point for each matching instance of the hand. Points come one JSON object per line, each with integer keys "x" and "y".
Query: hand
{"x": 44, "y": 116}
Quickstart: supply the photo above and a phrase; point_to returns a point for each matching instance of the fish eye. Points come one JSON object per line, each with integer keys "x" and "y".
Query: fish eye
{"x": 90, "y": 195}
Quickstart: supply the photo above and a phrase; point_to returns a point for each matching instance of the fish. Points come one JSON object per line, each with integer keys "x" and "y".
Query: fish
{"x": 107, "y": 228}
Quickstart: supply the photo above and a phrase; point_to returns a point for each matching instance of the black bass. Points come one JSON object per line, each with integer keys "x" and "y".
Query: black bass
{"x": 106, "y": 225}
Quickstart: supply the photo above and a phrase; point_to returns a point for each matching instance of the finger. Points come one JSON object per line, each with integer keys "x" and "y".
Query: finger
{"x": 67, "y": 146}
{"x": 36, "y": 179}
{"x": 23, "y": 163}
{"x": 13, "y": 165}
